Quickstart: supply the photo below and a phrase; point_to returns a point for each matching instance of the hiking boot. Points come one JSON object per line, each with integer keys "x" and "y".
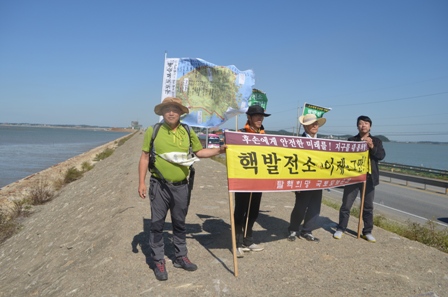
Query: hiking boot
{"x": 184, "y": 262}
{"x": 369, "y": 237}
{"x": 337, "y": 234}
{"x": 160, "y": 270}
{"x": 309, "y": 237}
{"x": 252, "y": 248}
{"x": 292, "y": 236}
{"x": 239, "y": 252}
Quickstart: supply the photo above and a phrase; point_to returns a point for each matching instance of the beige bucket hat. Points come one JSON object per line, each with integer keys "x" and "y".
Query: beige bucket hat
{"x": 170, "y": 101}
{"x": 308, "y": 119}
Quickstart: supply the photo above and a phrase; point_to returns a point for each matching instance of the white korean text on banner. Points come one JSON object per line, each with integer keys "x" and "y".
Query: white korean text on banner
{"x": 276, "y": 163}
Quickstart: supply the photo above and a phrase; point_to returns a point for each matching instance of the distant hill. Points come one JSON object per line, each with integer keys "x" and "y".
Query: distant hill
{"x": 340, "y": 137}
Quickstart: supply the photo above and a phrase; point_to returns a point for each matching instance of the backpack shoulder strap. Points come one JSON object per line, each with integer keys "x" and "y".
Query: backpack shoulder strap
{"x": 186, "y": 127}
{"x": 152, "y": 151}
{"x": 155, "y": 130}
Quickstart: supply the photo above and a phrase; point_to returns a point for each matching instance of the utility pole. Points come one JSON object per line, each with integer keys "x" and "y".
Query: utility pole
{"x": 297, "y": 120}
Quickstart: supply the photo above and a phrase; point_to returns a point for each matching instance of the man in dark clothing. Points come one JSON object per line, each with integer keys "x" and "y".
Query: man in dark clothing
{"x": 376, "y": 153}
{"x": 247, "y": 205}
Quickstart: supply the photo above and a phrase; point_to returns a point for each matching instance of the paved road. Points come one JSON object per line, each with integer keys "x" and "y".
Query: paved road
{"x": 406, "y": 203}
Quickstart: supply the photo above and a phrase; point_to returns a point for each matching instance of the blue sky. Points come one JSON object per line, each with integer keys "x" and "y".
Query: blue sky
{"x": 101, "y": 62}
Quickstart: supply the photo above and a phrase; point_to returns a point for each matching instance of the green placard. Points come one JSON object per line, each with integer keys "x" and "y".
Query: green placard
{"x": 314, "y": 109}
{"x": 258, "y": 98}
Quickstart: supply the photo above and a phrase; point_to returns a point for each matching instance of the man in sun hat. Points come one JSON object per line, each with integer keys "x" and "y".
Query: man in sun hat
{"x": 376, "y": 153}
{"x": 168, "y": 185}
{"x": 308, "y": 203}
{"x": 247, "y": 205}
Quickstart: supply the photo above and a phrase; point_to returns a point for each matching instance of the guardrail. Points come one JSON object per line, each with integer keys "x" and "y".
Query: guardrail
{"x": 416, "y": 179}
{"x": 414, "y": 168}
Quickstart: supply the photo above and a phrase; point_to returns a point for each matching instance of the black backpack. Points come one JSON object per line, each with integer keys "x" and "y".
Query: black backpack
{"x": 152, "y": 157}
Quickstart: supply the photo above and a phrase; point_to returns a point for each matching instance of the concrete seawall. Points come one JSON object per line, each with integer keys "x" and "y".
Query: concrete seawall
{"x": 92, "y": 241}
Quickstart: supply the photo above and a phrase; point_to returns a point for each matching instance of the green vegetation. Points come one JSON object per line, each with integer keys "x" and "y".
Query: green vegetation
{"x": 41, "y": 193}
{"x": 103, "y": 155}
{"x": 7, "y": 228}
{"x": 427, "y": 234}
{"x": 72, "y": 174}
{"x": 414, "y": 172}
{"x": 86, "y": 166}
{"x": 124, "y": 139}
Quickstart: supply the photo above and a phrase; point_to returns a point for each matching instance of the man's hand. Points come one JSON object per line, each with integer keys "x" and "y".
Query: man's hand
{"x": 369, "y": 141}
{"x": 142, "y": 191}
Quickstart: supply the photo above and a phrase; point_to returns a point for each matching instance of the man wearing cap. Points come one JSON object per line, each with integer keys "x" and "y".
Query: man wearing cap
{"x": 308, "y": 203}
{"x": 376, "y": 153}
{"x": 168, "y": 185}
{"x": 247, "y": 205}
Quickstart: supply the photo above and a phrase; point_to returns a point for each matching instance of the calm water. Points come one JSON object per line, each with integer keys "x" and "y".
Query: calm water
{"x": 28, "y": 150}
{"x": 417, "y": 154}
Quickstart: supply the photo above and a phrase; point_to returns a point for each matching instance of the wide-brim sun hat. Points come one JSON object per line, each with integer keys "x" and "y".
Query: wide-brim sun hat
{"x": 257, "y": 109}
{"x": 170, "y": 101}
{"x": 308, "y": 119}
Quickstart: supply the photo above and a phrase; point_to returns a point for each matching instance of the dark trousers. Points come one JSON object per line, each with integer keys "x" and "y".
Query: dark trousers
{"x": 306, "y": 209}
{"x": 349, "y": 196}
{"x": 242, "y": 210}
{"x": 166, "y": 197}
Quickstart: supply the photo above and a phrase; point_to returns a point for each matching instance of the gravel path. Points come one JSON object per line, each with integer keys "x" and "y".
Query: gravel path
{"x": 91, "y": 241}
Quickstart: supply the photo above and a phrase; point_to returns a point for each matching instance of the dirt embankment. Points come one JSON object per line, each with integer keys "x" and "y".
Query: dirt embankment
{"x": 92, "y": 241}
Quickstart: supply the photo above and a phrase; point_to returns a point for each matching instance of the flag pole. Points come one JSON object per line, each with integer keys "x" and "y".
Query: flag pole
{"x": 247, "y": 215}
{"x": 163, "y": 82}
{"x": 361, "y": 208}
{"x": 297, "y": 121}
{"x": 298, "y": 126}
{"x": 232, "y": 229}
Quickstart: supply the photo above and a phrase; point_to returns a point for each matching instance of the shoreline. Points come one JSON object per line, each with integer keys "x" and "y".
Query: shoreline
{"x": 18, "y": 191}
{"x": 78, "y": 127}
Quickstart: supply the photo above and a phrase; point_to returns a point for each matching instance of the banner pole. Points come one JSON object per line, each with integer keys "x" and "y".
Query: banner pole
{"x": 361, "y": 208}
{"x": 298, "y": 115}
{"x": 247, "y": 215}
{"x": 297, "y": 120}
{"x": 232, "y": 224}
{"x": 163, "y": 83}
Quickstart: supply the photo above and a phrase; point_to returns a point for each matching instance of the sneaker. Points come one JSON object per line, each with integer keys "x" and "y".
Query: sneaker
{"x": 185, "y": 263}
{"x": 160, "y": 271}
{"x": 292, "y": 236}
{"x": 252, "y": 248}
{"x": 309, "y": 237}
{"x": 369, "y": 237}
{"x": 239, "y": 252}
{"x": 337, "y": 234}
